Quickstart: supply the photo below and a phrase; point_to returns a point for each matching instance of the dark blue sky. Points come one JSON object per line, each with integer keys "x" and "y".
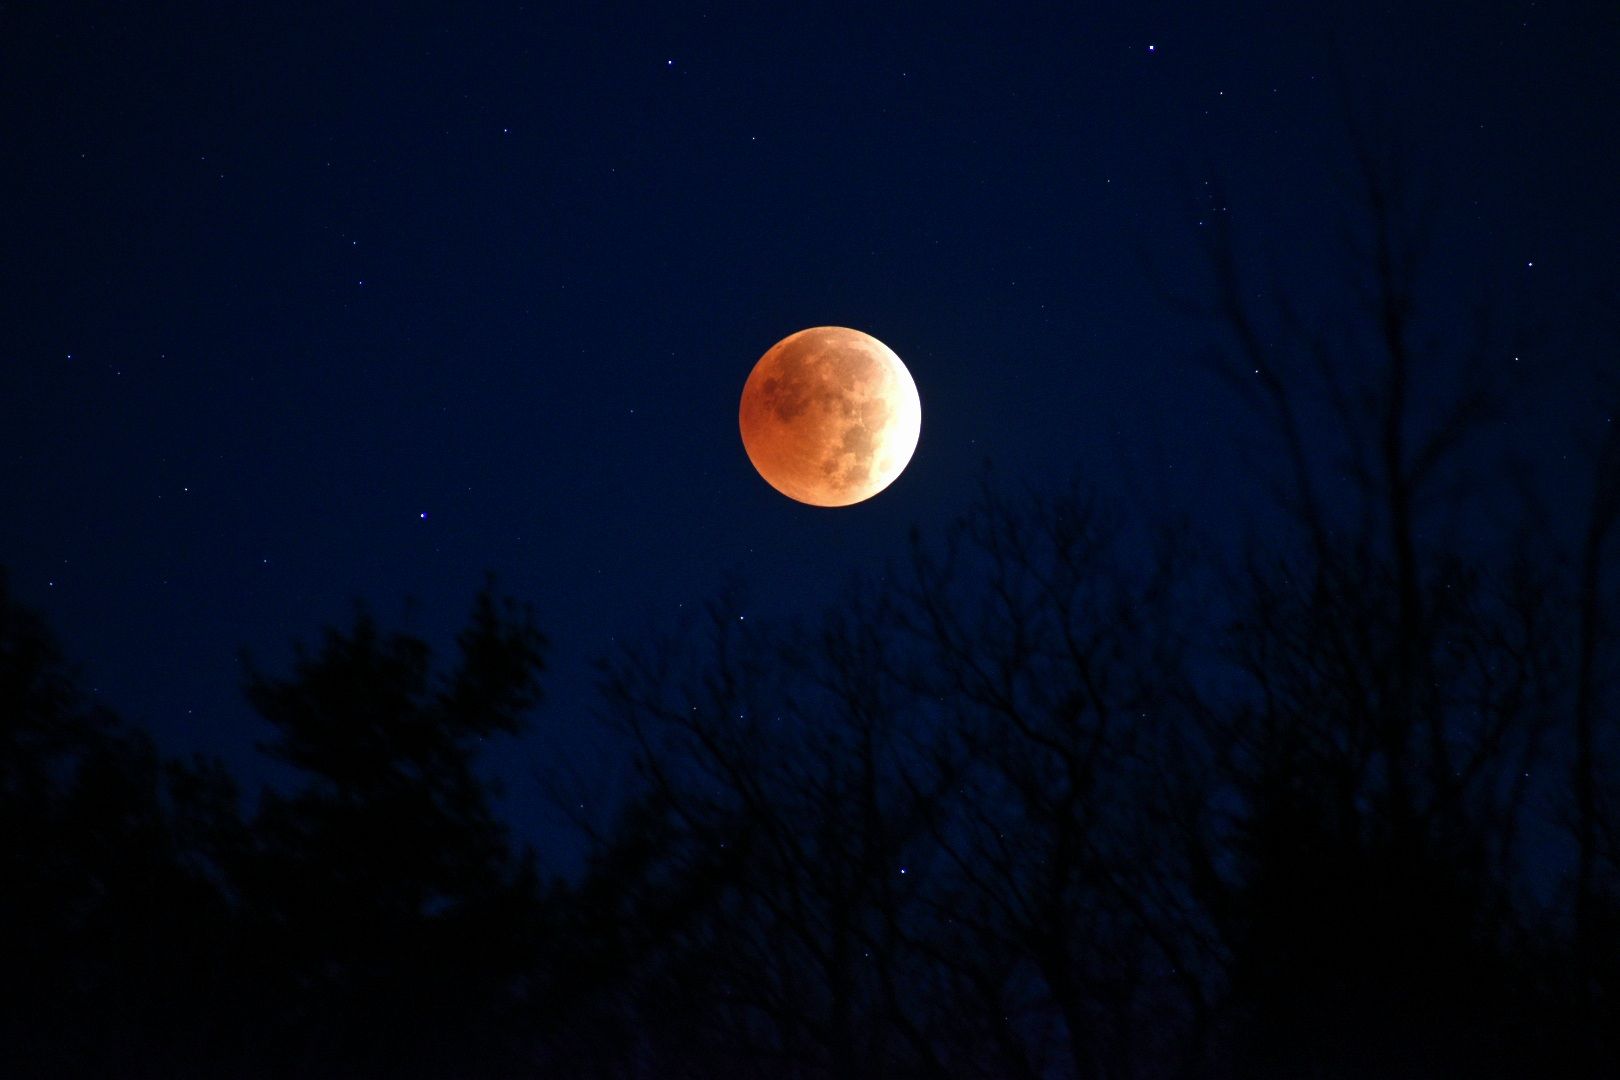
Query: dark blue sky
{"x": 310, "y": 306}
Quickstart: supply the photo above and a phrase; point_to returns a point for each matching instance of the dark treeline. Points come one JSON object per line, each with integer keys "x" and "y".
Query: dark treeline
{"x": 376, "y": 920}
{"x": 1065, "y": 795}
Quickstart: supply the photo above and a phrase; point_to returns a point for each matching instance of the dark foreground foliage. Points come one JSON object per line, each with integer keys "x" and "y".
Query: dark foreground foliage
{"x": 372, "y": 921}
{"x": 1060, "y": 800}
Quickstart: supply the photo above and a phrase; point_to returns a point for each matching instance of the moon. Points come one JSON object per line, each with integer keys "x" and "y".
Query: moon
{"x": 830, "y": 416}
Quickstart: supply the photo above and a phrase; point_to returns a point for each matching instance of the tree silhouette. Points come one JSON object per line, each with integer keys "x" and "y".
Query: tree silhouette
{"x": 1401, "y": 689}
{"x": 110, "y": 921}
{"x": 788, "y": 825}
{"x": 390, "y": 916}
{"x": 913, "y": 839}
{"x": 1052, "y": 639}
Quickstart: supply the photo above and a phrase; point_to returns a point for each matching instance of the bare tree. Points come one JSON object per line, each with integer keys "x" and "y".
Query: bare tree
{"x": 1059, "y": 666}
{"x": 1400, "y": 684}
{"x": 780, "y": 764}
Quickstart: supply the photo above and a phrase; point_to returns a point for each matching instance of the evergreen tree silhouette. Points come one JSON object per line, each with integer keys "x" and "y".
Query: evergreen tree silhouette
{"x": 388, "y": 910}
{"x": 111, "y": 924}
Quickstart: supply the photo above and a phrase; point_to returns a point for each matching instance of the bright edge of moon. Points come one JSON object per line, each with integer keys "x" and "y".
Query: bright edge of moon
{"x": 830, "y": 416}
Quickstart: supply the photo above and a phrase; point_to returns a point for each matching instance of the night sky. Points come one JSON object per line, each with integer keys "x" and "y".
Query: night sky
{"x": 310, "y": 305}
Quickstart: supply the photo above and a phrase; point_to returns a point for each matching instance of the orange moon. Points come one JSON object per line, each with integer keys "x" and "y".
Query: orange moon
{"x": 830, "y": 416}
